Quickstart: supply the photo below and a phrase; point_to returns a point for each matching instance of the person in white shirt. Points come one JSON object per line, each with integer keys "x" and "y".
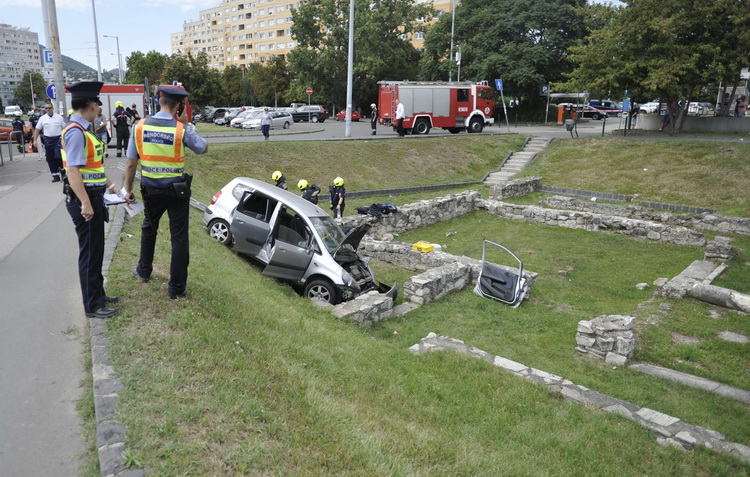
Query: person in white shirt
{"x": 400, "y": 119}
{"x": 50, "y": 126}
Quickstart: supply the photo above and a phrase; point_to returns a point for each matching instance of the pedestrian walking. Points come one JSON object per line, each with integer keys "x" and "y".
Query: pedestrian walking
{"x": 50, "y": 127}
{"x": 159, "y": 142}
{"x": 85, "y": 183}
{"x": 265, "y": 123}
{"x": 374, "y": 119}
{"x": 400, "y": 119}
{"x": 36, "y": 141}
{"x": 122, "y": 121}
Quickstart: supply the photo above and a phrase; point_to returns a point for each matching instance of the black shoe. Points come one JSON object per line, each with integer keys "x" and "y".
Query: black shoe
{"x": 174, "y": 296}
{"x": 103, "y": 312}
{"x": 119, "y": 154}
{"x": 111, "y": 299}
{"x": 137, "y": 275}
{"x": 55, "y": 178}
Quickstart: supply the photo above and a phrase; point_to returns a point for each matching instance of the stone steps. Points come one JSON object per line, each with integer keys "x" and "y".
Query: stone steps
{"x": 517, "y": 161}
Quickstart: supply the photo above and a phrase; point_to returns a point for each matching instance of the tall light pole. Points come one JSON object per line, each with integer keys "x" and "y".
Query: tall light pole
{"x": 349, "y": 73}
{"x": 96, "y": 39}
{"x": 453, "y": 26}
{"x": 119, "y": 58}
{"x": 31, "y": 82}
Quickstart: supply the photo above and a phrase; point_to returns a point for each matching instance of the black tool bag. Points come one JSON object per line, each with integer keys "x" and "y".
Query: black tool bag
{"x": 182, "y": 189}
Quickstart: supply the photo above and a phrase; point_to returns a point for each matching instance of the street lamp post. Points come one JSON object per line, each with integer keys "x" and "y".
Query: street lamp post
{"x": 119, "y": 58}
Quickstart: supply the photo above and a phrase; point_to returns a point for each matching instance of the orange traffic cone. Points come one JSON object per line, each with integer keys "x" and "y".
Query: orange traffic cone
{"x": 31, "y": 147}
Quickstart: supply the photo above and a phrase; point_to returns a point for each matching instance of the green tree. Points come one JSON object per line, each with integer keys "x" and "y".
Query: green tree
{"x": 231, "y": 80}
{"x": 381, "y": 51}
{"x": 22, "y": 93}
{"x": 149, "y": 66}
{"x": 524, "y": 42}
{"x": 201, "y": 81}
{"x": 270, "y": 82}
{"x": 667, "y": 49}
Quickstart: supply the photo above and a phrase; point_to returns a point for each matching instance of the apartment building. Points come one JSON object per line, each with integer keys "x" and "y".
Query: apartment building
{"x": 238, "y": 32}
{"x": 19, "y": 53}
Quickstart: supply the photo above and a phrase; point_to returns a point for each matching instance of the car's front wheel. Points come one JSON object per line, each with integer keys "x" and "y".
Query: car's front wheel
{"x": 321, "y": 289}
{"x": 219, "y": 230}
{"x": 286, "y": 125}
{"x": 314, "y": 119}
{"x": 596, "y": 116}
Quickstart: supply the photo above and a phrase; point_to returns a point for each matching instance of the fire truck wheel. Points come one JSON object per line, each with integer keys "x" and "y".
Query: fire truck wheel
{"x": 422, "y": 126}
{"x": 475, "y": 126}
{"x": 454, "y": 130}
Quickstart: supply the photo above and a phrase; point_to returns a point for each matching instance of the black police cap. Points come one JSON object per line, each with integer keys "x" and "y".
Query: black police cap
{"x": 173, "y": 92}
{"x": 85, "y": 89}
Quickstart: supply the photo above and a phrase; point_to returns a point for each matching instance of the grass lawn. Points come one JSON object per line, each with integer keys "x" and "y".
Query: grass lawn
{"x": 245, "y": 377}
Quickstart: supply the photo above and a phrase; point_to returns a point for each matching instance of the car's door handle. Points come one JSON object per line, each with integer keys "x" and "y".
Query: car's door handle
{"x": 282, "y": 249}
{"x": 240, "y": 222}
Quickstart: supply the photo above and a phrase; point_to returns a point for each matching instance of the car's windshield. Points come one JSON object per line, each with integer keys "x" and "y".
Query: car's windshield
{"x": 329, "y": 231}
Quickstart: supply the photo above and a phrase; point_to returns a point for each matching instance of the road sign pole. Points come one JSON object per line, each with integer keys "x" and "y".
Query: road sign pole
{"x": 505, "y": 111}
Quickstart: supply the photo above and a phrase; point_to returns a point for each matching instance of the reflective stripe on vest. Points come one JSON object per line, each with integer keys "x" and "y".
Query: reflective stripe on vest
{"x": 93, "y": 150}
{"x": 161, "y": 150}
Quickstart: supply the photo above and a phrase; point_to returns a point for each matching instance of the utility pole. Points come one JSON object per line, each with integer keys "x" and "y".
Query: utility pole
{"x": 54, "y": 37}
{"x": 349, "y": 73}
{"x": 96, "y": 39}
{"x": 453, "y": 25}
{"x": 31, "y": 82}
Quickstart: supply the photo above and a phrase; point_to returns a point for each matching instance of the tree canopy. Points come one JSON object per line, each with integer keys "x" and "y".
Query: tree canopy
{"x": 524, "y": 42}
{"x": 321, "y": 29}
{"x": 22, "y": 93}
{"x": 149, "y": 66}
{"x": 203, "y": 82}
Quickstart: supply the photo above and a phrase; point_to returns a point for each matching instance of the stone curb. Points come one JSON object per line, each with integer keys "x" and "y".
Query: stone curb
{"x": 694, "y": 381}
{"x": 670, "y": 431}
{"x": 209, "y": 135}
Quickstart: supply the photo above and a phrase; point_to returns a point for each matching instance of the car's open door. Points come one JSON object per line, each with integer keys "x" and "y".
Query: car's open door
{"x": 249, "y": 222}
{"x": 291, "y": 247}
{"x": 504, "y": 284}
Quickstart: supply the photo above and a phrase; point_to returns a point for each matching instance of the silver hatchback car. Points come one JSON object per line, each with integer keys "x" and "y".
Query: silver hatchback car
{"x": 295, "y": 240}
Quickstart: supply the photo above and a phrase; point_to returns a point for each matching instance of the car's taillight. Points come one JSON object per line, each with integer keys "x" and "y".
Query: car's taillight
{"x": 216, "y": 197}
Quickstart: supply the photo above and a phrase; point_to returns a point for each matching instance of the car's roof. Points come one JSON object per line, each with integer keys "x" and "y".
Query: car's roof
{"x": 294, "y": 201}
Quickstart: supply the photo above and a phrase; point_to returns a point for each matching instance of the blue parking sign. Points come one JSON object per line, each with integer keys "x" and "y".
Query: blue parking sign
{"x": 48, "y": 56}
{"x": 499, "y": 84}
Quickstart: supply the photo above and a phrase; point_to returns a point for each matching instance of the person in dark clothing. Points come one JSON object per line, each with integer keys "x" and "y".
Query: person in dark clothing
{"x": 374, "y": 118}
{"x": 18, "y": 125}
{"x": 280, "y": 179}
{"x": 309, "y": 191}
{"x": 338, "y": 197}
{"x": 122, "y": 121}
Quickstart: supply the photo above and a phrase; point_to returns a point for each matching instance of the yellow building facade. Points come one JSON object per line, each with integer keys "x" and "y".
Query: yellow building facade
{"x": 238, "y": 32}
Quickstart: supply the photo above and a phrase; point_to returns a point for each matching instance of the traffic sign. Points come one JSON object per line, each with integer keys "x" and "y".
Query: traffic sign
{"x": 543, "y": 90}
{"x": 51, "y": 92}
{"x": 48, "y": 56}
{"x": 499, "y": 84}
{"x": 308, "y": 91}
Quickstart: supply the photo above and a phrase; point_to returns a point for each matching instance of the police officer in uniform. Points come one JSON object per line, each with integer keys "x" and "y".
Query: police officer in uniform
{"x": 82, "y": 154}
{"x": 50, "y": 126}
{"x": 159, "y": 143}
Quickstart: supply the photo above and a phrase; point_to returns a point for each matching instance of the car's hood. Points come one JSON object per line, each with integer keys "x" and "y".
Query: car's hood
{"x": 354, "y": 237}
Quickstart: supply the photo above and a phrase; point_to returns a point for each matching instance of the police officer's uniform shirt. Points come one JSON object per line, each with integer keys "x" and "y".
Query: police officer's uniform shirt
{"x": 75, "y": 143}
{"x": 51, "y": 126}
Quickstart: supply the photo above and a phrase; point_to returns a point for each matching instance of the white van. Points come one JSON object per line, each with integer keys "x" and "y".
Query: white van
{"x": 10, "y": 111}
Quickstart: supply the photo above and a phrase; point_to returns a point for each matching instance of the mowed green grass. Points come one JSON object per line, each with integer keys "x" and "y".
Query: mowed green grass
{"x": 699, "y": 173}
{"x": 245, "y": 377}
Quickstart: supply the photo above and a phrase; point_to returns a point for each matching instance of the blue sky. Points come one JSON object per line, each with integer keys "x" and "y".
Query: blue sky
{"x": 141, "y": 25}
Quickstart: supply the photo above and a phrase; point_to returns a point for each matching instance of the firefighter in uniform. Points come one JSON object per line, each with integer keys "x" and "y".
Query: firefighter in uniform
{"x": 82, "y": 154}
{"x": 122, "y": 121}
{"x": 309, "y": 191}
{"x": 159, "y": 143}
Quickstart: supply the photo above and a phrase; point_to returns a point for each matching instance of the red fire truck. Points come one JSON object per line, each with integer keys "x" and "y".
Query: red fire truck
{"x": 454, "y": 106}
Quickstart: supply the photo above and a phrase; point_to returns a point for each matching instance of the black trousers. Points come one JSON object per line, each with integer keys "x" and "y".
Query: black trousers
{"x": 400, "y": 127}
{"x": 52, "y": 153}
{"x": 123, "y": 135}
{"x": 90, "y": 251}
{"x": 178, "y": 211}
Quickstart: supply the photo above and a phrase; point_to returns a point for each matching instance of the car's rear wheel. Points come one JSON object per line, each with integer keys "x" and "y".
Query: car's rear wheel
{"x": 314, "y": 119}
{"x": 218, "y": 229}
{"x": 286, "y": 125}
{"x": 421, "y": 127}
{"x": 596, "y": 116}
{"x": 321, "y": 289}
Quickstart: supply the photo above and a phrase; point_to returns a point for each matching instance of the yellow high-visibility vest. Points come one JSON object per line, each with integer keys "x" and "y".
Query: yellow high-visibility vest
{"x": 161, "y": 150}
{"x": 93, "y": 149}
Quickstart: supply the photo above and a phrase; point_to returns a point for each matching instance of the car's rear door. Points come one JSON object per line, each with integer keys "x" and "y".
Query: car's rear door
{"x": 292, "y": 249}
{"x": 250, "y": 222}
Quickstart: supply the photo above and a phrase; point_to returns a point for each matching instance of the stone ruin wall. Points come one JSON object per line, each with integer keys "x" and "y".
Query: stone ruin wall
{"x": 607, "y": 337}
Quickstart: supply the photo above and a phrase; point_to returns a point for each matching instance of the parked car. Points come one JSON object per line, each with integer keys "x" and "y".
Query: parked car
{"x": 292, "y": 238}
{"x": 586, "y": 111}
{"x": 6, "y": 127}
{"x": 342, "y": 115}
{"x": 649, "y": 108}
{"x": 244, "y": 116}
{"x": 229, "y": 114}
{"x": 10, "y": 111}
{"x": 612, "y": 108}
{"x": 279, "y": 119}
{"x": 701, "y": 109}
{"x": 313, "y": 113}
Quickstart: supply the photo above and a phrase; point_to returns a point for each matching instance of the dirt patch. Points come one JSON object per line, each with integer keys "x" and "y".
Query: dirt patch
{"x": 684, "y": 339}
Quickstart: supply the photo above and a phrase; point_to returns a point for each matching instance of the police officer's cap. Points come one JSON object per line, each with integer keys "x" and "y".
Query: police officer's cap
{"x": 85, "y": 89}
{"x": 173, "y": 92}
